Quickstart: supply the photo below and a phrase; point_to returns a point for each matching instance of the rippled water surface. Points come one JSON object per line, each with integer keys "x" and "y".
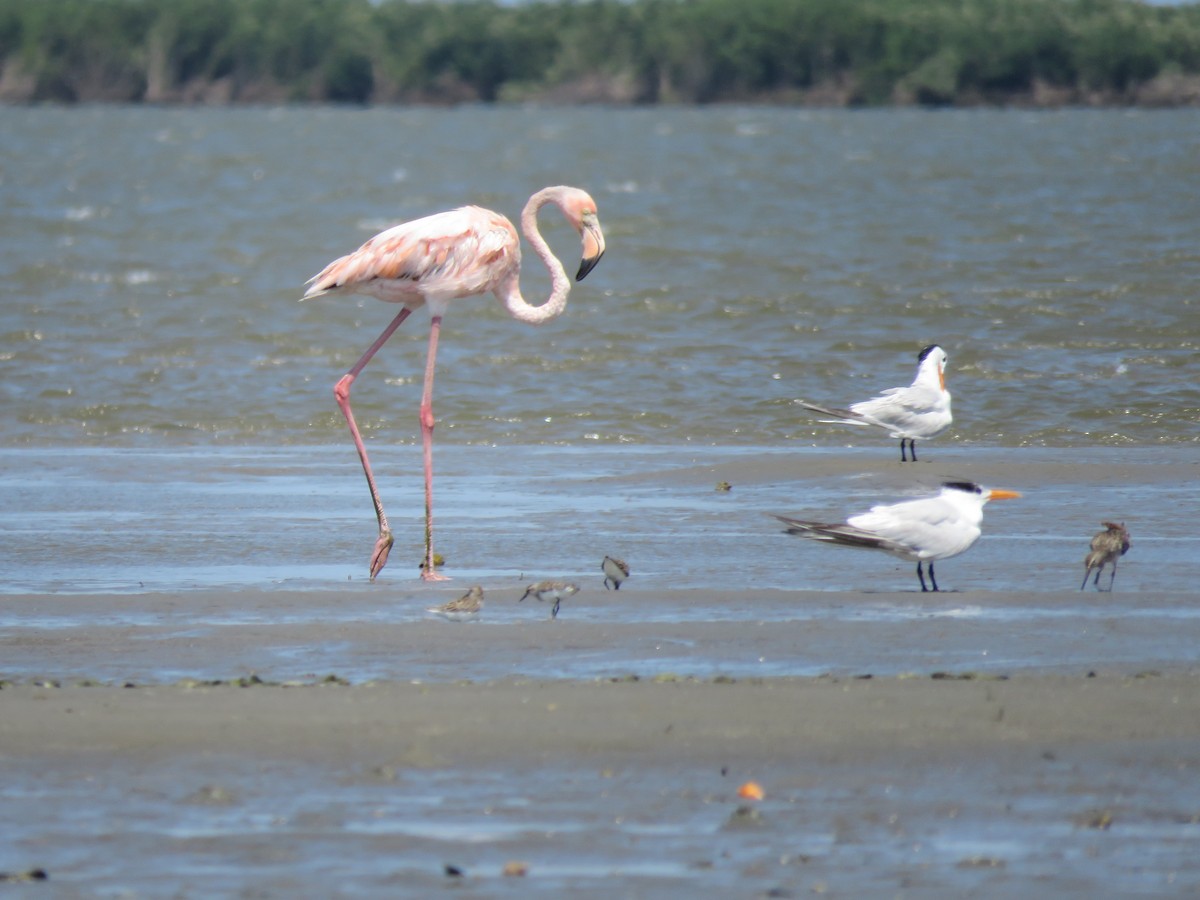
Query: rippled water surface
{"x": 151, "y": 260}
{"x": 179, "y": 498}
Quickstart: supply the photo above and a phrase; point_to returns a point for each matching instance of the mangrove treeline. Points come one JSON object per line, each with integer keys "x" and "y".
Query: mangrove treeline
{"x": 832, "y": 52}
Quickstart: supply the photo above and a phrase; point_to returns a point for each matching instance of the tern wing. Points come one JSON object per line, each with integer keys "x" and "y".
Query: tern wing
{"x": 914, "y": 410}
{"x": 928, "y": 528}
{"x": 840, "y": 416}
{"x": 844, "y": 534}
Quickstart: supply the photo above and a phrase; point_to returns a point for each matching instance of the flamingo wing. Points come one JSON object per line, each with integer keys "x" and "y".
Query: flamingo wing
{"x": 459, "y": 253}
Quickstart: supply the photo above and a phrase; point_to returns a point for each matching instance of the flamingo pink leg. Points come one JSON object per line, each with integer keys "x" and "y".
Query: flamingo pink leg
{"x": 435, "y": 325}
{"x": 341, "y": 391}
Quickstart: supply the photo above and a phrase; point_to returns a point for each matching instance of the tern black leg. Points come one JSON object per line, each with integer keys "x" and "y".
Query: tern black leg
{"x": 932, "y": 579}
{"x": 921, "y": 575}
{"x": 903, "y": 458}
{"x": 912, "y": 448}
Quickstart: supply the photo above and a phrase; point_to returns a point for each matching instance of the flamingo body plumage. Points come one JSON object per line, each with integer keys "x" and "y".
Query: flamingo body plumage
{"x": 431, "y": 261}
{"x": 459, "y": 253}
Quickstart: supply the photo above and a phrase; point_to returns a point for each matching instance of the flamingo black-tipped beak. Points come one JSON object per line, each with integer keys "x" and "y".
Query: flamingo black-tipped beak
{"x": 593, "y": 246}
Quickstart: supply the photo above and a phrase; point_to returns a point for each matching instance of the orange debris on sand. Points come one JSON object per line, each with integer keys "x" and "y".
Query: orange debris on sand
{"x": 751, "y": 790}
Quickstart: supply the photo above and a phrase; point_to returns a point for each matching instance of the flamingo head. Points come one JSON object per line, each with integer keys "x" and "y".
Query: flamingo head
{"x": 580, "y": 210}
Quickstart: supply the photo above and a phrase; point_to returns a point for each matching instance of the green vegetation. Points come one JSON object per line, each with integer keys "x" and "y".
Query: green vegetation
{"x": 834, "y": 52}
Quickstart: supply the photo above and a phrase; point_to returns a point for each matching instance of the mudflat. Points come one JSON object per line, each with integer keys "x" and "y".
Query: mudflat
{"x": 658, "y": 722}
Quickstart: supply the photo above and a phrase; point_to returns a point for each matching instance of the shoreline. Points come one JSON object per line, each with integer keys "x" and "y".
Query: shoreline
{"x": 649, "y": 722}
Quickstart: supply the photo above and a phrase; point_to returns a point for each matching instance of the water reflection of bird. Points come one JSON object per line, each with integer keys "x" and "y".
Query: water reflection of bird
{"x": 432, "y": 261}
{"x": 557, "y": 591}
{"x": 923, "y": 530}
{"x": 919, "y": 411}
{"x": 615, "y": 570}
{"x": 1107, "y": 546}
{"x": 463, "y": 609}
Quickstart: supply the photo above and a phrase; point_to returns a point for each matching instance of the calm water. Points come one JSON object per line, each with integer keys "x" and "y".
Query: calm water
{"x": 152, "y": 259}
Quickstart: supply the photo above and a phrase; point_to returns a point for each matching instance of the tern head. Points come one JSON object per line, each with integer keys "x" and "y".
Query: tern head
{"x": 934, "y": 359}
{"x": 970, "y": 487}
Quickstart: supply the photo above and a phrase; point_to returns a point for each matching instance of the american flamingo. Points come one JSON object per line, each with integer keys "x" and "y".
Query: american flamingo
{"x": 921, "y": 410}
{"x": 430, "y": 261}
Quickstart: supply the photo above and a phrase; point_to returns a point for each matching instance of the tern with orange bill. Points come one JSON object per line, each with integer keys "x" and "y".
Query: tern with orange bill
{"x": 916, "y": 412}
{"x": 920, "y": 531}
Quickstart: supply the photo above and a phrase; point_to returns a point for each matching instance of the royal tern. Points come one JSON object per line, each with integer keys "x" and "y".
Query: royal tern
{"x": 923, "y": 530}
{"x": 558, "y": 591}
{"x": 463, "y": 609}
{"x": 1107, "y": 546}
{"x": 919, "y": 411}
{"x": 615, "y": 570}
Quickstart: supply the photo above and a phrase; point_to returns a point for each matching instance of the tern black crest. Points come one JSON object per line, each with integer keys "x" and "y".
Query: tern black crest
{"x": 924, "y": 353}
{"x": 969, "y": 487}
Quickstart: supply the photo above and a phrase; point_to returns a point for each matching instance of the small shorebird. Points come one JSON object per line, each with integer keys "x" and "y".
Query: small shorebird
{"x": 463, "y": 609}
{"x": 923, "y": 530}
{"x": 615, "y": 570}
{"x": 557, "y": 591}
{"x": 919, "y": 411}
{"x": 1107, "y": 546}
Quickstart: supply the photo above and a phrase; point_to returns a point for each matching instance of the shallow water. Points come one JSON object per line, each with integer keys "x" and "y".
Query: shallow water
{"x": 127, "y": 520}
{"x": 274, "y": 543}
{"x": 169, "y": 427}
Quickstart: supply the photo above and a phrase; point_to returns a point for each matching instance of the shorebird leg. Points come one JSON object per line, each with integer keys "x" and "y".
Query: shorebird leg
{"x": 932, "y": 579}
{"x": 903, "y": 458}
{"x": 428, "y": 573}
{"x": 554, "y": 611}
{"x": 341, "y": 390}
{"x": 912, "y": 450}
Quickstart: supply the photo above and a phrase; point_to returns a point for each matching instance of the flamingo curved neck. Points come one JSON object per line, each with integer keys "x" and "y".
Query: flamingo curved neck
{"x": 560, "y": 284}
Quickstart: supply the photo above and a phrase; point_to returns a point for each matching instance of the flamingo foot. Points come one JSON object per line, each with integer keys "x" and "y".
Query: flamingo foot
{"x": 427, "y": 575}
{"x": 379, "y": 556}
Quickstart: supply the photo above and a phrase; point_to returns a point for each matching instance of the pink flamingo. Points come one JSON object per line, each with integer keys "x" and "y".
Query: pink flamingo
{"x": 432, "y": 260}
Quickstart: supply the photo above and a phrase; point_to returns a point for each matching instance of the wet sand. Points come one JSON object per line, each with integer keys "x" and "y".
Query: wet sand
{"x": 306, "y": 733}
{"x": 914, "y": 786}
{"x": 943, "y": 718}
{"x": 199, "y": 756}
